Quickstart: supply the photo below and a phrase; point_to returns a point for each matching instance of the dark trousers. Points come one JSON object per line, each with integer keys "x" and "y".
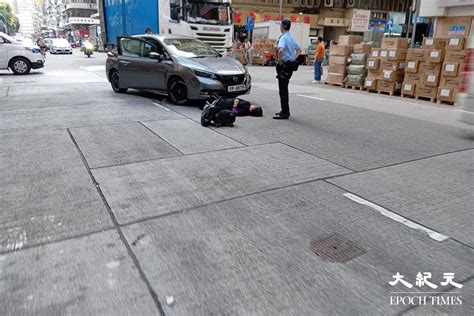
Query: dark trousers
{"x": 284, "y": 73}
{"x": 284, "y": 98}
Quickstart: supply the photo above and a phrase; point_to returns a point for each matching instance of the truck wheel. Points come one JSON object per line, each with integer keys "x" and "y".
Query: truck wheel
{"x": 115, "y": 82}
{"x": 177, "y": 91}
{"x": 20, "y": 66}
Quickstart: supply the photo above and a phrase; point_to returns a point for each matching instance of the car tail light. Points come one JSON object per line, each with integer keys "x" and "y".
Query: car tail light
{"x": 468, "y": 71}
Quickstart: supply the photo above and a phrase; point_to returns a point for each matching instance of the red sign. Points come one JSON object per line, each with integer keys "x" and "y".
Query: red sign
{"x": 306, "y": 20}
{"x": 280, "y": 17}
{"x": 294, "y": 18}
{"x": 83, "y": 32}
{"x": 266, "y": 17}
{"x": 237, "y": 17}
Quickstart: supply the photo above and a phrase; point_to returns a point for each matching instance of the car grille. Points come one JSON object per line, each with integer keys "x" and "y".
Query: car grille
{"x": 229, "y": 80}
{"x": 216, "y": 40}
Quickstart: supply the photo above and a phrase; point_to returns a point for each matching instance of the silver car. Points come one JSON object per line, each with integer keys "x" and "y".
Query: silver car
{"x": 181, "y": 67}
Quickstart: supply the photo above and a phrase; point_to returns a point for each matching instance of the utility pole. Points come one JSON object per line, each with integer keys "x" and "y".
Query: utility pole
{"x": 281, "y": 5}
{"x": 416, "y": 5}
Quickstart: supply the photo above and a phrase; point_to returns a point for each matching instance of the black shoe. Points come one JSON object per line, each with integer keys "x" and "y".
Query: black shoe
{"x": 279, "y": 113}
{"x": 281, "y": 117}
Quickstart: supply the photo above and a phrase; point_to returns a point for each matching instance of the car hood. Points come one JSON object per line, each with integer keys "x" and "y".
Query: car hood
{"x": 217, "y": 65}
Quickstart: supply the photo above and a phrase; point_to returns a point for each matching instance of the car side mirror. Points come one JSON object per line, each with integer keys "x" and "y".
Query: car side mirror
{"x": 157, "y": 56}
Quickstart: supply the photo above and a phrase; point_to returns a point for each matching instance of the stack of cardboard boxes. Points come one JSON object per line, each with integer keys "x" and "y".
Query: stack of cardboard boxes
{"x": 413, "y": 76}
{"x": 392, "y": 56}
{"x": 451, "y": 71}
{"x": 373, "y": 68}
{"x": 429, "y": 69}
{"x": 263, "y": 50}
{"x": 357, "y": 70}
{"x": 238, "y": 52}
{"x": 339, "y": 58}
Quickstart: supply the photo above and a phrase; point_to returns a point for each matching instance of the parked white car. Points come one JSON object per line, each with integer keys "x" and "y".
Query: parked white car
{"x": 19, "y": 57}
{"x": 60, "y": 46}
{"x": 465, "y": 113}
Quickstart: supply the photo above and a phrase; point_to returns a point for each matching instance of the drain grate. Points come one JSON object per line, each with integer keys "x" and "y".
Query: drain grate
{"x": 336, "y": 248}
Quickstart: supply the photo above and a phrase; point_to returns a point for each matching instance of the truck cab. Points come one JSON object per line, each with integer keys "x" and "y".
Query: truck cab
{"x": 210, "y": 21}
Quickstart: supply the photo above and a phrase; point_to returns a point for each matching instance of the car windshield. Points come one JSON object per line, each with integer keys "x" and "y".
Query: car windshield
{"x": 60, "y": 42}
{"x": 209, "y": 13}
{"x": 188, "y": 47}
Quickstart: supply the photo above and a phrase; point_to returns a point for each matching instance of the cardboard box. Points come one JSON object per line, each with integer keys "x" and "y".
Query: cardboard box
{"x": 383, "y": 53}
{"x": 450, "y": 69}
{"x": 455, "y": 43}
{"x": 335, "y": 78}
{"x": 338, "y": 69}
{"x": 341, "y": 50}
{"x": 426, "y": 67}
{"x": 375, "y": 52}
{"x": 338, "y": 60}
{"x": 398, "y": 66}
{"x": 447, "y": 94}
{"x": 362, "y": 48}
{"x": 373, "y": 63}
{"x": 430, "y": 80}
{"x": 370, "y": 83}
{"x": 434, "y": 43}
{"x": 457, "y": 56}
{"x": 412, "y": 66}
{"x": 426, "y": 92}
{"x": 413, "y": 78}
{"x": 435, "y": 55}
{"x": 389, "y": 86}
{"x": 416, "y": 54}
{"x": 408, "y": 88}
{"x": 390, "y": 75}
{"x": 450, "y": 82}
{"x": 394, "y": 42}
{"x": 374, "y": 74}
{"x": 349, "y": 39}
{"x": 397, "y": 54}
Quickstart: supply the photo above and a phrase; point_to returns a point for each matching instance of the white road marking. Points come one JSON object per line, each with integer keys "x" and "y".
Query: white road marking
{"x": 311, "y": 97}
{"x": 431, "y": 233}
{"x": 160, "y": 106}
{"x": 93, "y": 68}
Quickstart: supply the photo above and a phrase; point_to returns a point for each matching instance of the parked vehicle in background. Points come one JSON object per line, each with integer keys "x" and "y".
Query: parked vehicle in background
{"x": 60, "y": 46}
{"x": 209, "y": 21}
{"x": 465, "y": 113}
{"x": 271, "y": 30}
{"x": 19, "y": 57}
{"x": 181, "y": 67}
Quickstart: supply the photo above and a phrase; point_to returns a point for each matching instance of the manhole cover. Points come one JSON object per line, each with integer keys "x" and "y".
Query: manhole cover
{"x": 336, "y": 248}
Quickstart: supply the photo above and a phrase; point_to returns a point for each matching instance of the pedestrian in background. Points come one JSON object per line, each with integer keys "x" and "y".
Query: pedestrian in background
{"x": 318, "y": 60}
{"x": 248, "y": 51}
{"x": 288, "y": 50}
{"x": 148, "y": 31}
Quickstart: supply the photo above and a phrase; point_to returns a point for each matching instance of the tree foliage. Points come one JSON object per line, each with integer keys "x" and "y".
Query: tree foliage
{"x": 7, "y": 15}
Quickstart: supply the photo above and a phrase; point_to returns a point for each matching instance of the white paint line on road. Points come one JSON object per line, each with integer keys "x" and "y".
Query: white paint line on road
{"x": 93, "y": 68}
{"x": 311, "y": 97}
{"x": 431, "y": 233}
{"x": 160, "y": 106}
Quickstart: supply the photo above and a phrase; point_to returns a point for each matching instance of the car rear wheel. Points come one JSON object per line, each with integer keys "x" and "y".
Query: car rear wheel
{"x": 177, "y": 91}
{"x": 115, "y": 82}
{"x": 20, "y": 66}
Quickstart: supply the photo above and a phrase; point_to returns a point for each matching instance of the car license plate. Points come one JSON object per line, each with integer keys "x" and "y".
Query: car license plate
{"x": 238, "y": 87}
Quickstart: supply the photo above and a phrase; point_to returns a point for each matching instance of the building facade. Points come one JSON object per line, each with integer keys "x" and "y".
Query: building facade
{"x": 25, "y": 10}
{"x": 451, "y": 18}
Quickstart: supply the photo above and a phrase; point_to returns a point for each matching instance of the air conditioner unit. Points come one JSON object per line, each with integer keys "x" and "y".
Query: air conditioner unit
{"x": 351, "y": 3}
{"x": 328, "y": 3}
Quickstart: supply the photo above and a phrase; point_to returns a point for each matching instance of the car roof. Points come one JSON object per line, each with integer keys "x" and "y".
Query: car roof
{"x": 165, "y": 36}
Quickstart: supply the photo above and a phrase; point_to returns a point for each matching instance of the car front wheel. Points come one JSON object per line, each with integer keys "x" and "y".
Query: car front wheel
{"x": 20, "y": 66}
{"x": 115, "y": 82}
{"x": 177, "y": 91}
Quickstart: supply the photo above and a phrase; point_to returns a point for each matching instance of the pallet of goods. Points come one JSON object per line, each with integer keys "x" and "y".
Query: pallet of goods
{"x": 451, "y": 71}
{"x": 339, "y": 58}
{"x": 373, "y": 70}
{"x": 263, "y": 50}
{"x": 413, "y": 76}
{"x": 430, "y": 68}
{"x": 357, "y": 69}
{"x": 392, "y": 56}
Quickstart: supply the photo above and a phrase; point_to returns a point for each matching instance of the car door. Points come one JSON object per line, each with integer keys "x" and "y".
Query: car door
{"x": 157, "y": 70}
{"x": 129, "y": 62}
{"x": 3, "y": 53}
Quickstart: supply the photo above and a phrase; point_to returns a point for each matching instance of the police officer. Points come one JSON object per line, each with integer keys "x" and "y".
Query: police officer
{"x": 288, "y": 51}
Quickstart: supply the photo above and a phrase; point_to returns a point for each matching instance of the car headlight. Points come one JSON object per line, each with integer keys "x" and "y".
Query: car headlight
{"x": 204, "y": 74}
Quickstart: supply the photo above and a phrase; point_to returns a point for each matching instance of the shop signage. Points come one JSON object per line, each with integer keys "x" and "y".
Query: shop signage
{"x": 360, "y": 20}
{"x": 454, "y": 3}
{"x": 456, "y": 31}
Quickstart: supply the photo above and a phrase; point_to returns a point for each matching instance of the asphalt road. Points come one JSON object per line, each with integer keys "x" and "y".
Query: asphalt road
{"x": 110, "y": 204}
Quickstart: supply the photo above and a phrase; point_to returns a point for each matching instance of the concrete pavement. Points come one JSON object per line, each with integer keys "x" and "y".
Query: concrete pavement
{"x": 110, "y": 203}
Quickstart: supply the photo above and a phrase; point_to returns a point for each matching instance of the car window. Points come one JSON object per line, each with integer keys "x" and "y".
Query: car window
{"x": 131, "y": 47}
{"x": 157, "y": 48}
{"x": 188, "y": 47}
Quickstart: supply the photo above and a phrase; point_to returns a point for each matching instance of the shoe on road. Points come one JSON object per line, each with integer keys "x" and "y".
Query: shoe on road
{"x": 281, "y": 117}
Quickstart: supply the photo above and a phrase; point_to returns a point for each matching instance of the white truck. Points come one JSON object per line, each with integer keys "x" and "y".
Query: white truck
{"x": 271, "y": 30}
{"x": 208, "y": 20}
